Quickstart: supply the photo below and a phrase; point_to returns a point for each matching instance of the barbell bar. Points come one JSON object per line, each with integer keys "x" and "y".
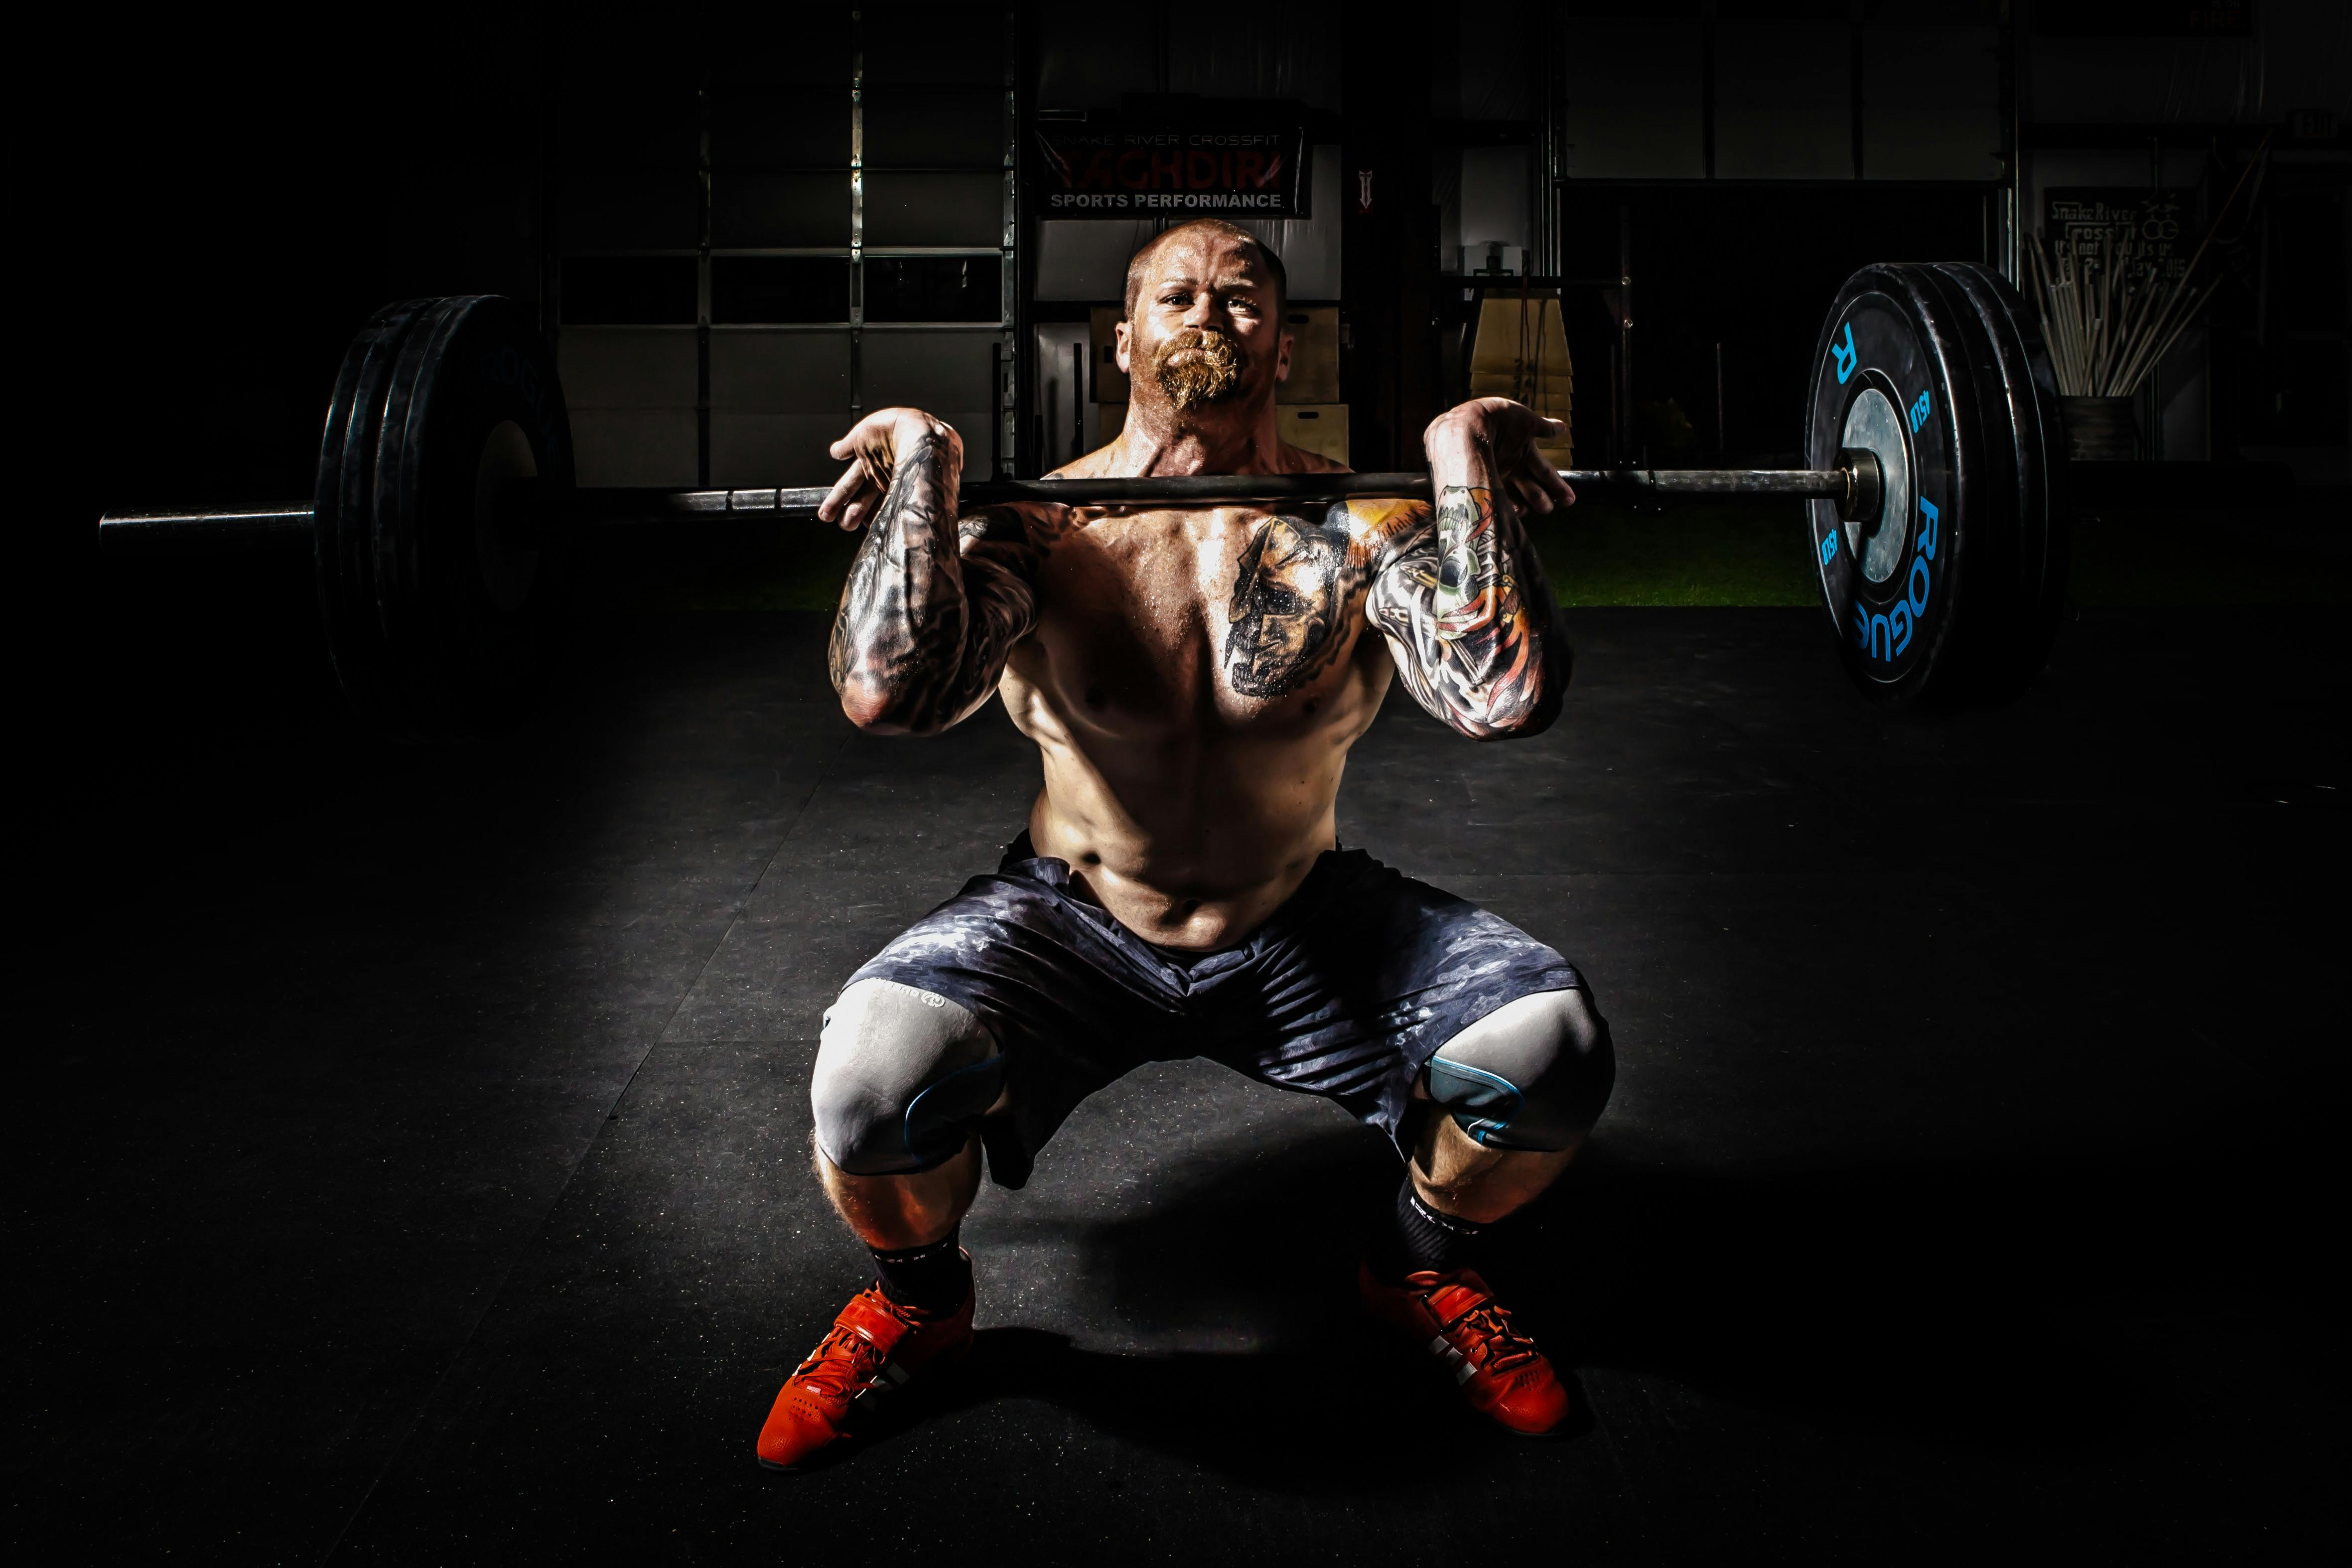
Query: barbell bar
{"x": 1854, "y": 487}
{"x": 441, "y": 523}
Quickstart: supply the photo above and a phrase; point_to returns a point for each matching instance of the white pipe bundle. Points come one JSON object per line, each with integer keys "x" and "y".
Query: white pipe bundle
{"x": 2110, "y": 318}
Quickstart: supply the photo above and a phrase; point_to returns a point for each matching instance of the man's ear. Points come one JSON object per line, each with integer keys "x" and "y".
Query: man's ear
{"x": 1120, "y": 332}
{"x": 1282, "y": 360}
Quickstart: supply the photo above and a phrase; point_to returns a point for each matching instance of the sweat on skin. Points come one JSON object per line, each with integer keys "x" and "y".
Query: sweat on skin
{"x": 1193, "y": 677}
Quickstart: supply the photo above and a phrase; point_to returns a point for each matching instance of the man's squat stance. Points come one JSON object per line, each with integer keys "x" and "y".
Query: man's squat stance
{"x": 1195, "y": 678}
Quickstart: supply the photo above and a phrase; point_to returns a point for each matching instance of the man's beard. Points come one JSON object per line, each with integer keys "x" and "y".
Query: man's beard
{"x": 1211, "y": 373}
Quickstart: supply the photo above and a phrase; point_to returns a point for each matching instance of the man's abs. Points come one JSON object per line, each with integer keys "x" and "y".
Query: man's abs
{"x": 1194, "y": 681}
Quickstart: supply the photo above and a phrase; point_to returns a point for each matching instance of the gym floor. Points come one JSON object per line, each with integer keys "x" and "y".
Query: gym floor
{"x": 414, "y": 1160}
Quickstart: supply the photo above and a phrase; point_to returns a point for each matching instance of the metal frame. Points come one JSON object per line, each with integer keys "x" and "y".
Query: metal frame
{"x": 857, "y": 216}
{"x": 1008, "y": 251}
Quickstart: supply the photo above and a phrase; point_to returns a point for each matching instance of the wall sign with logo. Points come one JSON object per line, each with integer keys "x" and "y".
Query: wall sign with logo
{"x": 2147, "y": 230}
{"x": 1116, "y": 169}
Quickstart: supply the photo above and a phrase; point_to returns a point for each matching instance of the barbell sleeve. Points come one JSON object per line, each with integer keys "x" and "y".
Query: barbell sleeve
{"x": 220, "y": 530}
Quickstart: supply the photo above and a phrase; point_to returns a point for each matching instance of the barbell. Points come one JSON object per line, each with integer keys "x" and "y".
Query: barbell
{"x": 441, "y": 523}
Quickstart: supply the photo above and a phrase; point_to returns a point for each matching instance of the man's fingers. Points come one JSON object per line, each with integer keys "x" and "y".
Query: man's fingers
{"x": 1555, "y": 488}
{"x": 833, "y": 508}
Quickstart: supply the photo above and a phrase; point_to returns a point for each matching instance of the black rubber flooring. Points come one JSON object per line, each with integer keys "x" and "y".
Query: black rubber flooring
{"x": 419, "y": 1174}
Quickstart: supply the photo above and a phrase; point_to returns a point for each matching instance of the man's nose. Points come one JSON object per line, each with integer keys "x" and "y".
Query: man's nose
{"x": 1205, "y": 310}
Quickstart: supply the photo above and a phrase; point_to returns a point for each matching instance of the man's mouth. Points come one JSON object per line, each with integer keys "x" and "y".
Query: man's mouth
{"x": 1201, "y": 367}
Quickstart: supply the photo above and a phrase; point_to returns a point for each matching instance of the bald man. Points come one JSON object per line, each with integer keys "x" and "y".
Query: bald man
{"x": 1193, "y": 677}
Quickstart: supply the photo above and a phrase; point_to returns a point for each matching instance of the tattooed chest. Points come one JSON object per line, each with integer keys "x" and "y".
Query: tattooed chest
{"x": 1271, "y": 604}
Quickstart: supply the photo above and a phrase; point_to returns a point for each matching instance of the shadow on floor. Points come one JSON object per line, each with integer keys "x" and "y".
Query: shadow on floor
{"x": 1974, "y": 1306}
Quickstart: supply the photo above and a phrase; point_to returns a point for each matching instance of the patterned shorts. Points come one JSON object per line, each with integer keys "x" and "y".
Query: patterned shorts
{"x": 1345, "y": 992}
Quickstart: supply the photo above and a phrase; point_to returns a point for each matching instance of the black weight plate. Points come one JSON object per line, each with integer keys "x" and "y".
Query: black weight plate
{"x": 1896, "y": 595}
{"x": 468, "y": 595}
{"x": 1984, "y": 662}
{"x": 342, "y": 505}
{"x": 2030, "y": 391}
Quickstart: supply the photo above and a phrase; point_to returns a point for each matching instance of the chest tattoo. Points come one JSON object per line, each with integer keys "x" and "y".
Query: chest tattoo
{"x": 1291, "y": 595}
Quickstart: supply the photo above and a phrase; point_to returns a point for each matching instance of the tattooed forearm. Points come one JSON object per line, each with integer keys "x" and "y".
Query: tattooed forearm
{"x": 932, "y": 607}
{"x": 1471, "y": 620}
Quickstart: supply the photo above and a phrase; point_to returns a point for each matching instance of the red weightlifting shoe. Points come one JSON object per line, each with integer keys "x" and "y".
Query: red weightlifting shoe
{"x": 876, "y": 1348}
{"x": 1456, "y": 1317}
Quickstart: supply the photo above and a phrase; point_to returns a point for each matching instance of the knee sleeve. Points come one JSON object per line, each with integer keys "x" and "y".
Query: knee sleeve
{"x": 901, "y": 1078}
{"x": 1533, "y": 1073}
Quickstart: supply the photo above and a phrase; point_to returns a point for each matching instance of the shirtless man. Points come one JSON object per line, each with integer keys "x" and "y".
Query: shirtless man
{"x": 1194, "y": 678}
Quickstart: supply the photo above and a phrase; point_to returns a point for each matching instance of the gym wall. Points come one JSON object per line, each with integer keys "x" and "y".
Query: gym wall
{"x": 236, "y": 211}
{"x": 779, "y": 229}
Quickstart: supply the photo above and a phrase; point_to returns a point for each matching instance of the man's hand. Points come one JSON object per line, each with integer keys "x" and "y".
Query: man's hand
{"x": 1499, "y": 437}
{"x": 872, "y": 449}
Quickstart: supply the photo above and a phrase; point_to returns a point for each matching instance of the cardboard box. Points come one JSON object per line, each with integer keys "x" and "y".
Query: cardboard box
{"x": 1109, "y": 381}
{"x": 1522, "y": 353}
{"x": 1321, "y": 427}
{"x": 1314, "y": 355}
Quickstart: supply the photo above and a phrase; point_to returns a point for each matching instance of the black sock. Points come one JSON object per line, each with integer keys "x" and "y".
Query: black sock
{"x": 1420, "y": 1238}
{"x": 931, "y": 1279}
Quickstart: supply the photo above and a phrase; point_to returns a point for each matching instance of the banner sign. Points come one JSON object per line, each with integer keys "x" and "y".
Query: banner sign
{"x": 1111, "y": 169}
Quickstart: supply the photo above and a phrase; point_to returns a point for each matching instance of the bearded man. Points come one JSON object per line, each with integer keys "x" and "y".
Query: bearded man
{"x": 1193, "y": 677}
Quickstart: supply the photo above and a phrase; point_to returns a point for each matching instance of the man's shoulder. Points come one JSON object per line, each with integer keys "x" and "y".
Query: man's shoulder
{"x": 1299, "y": 460}
{"x": 1095, "y": 465}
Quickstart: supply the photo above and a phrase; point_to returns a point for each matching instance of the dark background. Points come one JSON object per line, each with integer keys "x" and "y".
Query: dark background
{"x": 230, "y": 202}
{"x": 240, "y": 205}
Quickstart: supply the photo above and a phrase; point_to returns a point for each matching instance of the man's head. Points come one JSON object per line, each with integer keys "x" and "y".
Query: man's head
{"x": 1203, "y": 332}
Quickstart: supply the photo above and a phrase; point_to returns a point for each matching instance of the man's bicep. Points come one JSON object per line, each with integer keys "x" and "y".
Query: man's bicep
{"x": 1482, "y": 682}
{"x": 1002, "y": 551}
{"x": 1399, "y": 607}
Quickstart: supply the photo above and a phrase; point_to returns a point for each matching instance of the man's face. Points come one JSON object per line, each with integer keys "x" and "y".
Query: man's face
{"x": 1206, "y": 336}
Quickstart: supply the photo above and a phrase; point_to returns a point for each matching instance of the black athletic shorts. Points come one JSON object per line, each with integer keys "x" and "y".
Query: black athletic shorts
{"x": 1346, "y": 991}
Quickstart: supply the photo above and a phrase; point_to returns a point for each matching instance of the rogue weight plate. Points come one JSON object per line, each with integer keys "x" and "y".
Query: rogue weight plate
{"x": 451, "y": 573}
{"x": 1885, "y": 382}
{"x": 2029, "y": 416}
{"x": 1982, "y": 659}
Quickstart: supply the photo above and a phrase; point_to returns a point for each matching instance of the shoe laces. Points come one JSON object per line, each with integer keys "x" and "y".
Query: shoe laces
{"x": 843, "y": 1362}
{"x": 1488, "y": 1325}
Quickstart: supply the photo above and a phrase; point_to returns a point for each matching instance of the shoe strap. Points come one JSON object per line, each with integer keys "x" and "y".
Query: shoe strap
{"x": 869, "y": 1317}
{"x": 1450, "y": 1303}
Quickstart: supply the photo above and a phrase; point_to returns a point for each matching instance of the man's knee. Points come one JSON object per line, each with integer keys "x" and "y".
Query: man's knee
{"x": 1533, "y": 1073}
{"x": 902, "y": 1076}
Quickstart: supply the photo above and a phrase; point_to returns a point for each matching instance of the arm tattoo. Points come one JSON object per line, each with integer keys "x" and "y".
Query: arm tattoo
{"x": 1471, "y": 620}
{"x": 932, "y": 607}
